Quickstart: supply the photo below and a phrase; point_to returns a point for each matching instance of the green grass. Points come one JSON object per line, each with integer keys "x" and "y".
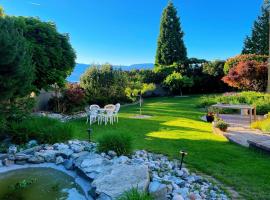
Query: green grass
{"x": 176, "y": 125}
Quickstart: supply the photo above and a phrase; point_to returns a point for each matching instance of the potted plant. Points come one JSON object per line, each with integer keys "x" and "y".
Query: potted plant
{"x": 223, "y": 126}
{"x": 210, "y": 116}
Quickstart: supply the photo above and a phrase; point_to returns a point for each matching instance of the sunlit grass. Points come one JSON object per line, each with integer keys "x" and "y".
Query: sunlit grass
{"x": 175, "y": 124}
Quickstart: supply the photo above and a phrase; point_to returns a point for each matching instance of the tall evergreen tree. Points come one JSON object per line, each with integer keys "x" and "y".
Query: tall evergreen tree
{"x": 258, "y": 42}
{"x": 171, "y": 48}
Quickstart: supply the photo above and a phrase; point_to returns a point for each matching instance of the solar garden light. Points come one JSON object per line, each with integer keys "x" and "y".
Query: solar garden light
{"x": 89, "y": 131}
{"x": 183, "y": 154}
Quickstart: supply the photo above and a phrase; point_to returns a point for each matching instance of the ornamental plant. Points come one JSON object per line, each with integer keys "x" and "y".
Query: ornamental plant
{"x": 248, "y": 75}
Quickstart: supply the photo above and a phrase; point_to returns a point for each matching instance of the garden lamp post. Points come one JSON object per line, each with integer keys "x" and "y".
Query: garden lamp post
{"x": 267, "y": 7}
{"x": 89, "y": 132}
{"x": 182, "y": 154}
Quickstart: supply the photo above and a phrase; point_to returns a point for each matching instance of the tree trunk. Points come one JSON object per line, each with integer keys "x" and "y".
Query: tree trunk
{"x": 140, "y": 104}
{"x": 268, "y": 81}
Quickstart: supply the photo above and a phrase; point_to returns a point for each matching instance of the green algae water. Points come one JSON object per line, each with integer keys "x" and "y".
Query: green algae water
{"x": 38, "y": 184}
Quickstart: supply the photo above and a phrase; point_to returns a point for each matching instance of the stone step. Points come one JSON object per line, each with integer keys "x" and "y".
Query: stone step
{"x": 262, "y": 145}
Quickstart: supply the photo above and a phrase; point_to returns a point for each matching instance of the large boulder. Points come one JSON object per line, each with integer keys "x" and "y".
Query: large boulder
{"x": 48, "y": 155}
{"x": 119, "y": 178}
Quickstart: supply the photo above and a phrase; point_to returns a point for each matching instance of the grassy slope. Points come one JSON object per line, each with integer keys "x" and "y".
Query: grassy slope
{"x": 176, "y": 125}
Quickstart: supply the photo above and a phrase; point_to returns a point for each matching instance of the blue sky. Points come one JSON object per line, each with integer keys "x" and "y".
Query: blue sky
{"x": 125, "y": 31}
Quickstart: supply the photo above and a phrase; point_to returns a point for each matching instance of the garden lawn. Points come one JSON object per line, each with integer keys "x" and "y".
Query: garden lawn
{"x": 176, "y": 125}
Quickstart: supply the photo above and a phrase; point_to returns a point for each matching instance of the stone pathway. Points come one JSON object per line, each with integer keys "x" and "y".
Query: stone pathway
{"x": 241, "y": 133}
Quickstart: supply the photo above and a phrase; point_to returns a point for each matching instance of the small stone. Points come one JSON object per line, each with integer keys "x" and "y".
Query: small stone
{"x": 12, "y": 149}
{"x": 112, "y": 153}
{"x": 122, "y": 160}
{"x": 32, "y": 143}
{"x": 68, "y": 164}
{"x": 77, "y": 155}
{"x": 8, "y": 162}
{"x": 60, "y": 146}
{"x": 36, "y": 159}
{"x": 59, "y": 160}
{"x": 65, "y": 153}
{"x": 21, "y": 156}
{"x": 177, "y": 197}
{"x": 76, "y": 148}
{"x": 158, "y": 190}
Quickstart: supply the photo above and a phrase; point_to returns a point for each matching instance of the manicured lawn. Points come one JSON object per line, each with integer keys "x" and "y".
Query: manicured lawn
{"x": 176, "y": 125}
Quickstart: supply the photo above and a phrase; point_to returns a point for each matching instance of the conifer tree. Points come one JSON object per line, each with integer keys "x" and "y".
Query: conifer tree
{"x": 258, "y": 42}
{"x": 170, "y": 48}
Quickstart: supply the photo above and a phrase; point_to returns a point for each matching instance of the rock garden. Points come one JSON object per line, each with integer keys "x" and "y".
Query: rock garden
{"x": 110, "y": 176}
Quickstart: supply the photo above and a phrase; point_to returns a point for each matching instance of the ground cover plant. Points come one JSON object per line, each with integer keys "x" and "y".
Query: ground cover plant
{"x": 175, "y": 125}
{"x": 263, "y": 125}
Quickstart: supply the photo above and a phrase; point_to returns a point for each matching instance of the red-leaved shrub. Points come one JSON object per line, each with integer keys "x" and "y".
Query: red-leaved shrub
{"x": 248, "y": 75}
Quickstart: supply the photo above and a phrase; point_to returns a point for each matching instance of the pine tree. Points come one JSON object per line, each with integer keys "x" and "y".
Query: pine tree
{"x": 171, "y": 48}
{"x": 258, "y": 42}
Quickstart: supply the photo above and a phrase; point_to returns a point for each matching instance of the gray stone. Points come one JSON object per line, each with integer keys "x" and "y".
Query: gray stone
{"x": 68, "y": 164}
{"x": 8, "y": 162}
{"x": 103, "y": 196}
{"x": 112, "y": 153}
{"x": 36, "y": 159}
{"x": 65, "y": 153}
{"x": 77, "y": 148}
{"x": 48, "y": 155}
{"x": 60, "y": 146}
{"x": 122, "y": 160}
{"x": 59, "y": 160}
{"x": 158, "y": 190}
{"x": 81, "y": 154}
{"x": 120, "y": 178}
{"x": 20, "y": 162}
{"x": 177, "y": 197}
{"x": 12, "y": 149}
{"x": 1, "y": 163}
{"x": 21, "y": 156}
{"x": 32, "y": 143}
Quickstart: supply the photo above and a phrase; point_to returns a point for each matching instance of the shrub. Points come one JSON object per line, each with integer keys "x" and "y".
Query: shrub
{"x": 72, "y": 100}
{"x": 263, "y": 125}
{"x": 42, "y": 129}
{"x": 221, "y": 125}
{"x": 232, "y": 62}
{"x": 120, "y": 143}
{"x": 260, "y": 100}
{"x": 248, "y": 75}
{"x": 134, "y": 194}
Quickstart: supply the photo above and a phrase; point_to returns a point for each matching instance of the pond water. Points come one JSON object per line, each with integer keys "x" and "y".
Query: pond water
{"x": 39, "y": 184}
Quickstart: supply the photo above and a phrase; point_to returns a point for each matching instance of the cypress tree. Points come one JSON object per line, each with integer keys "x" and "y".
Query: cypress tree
{"x": 258, "y": 42}
{"x": 170, "y": 48}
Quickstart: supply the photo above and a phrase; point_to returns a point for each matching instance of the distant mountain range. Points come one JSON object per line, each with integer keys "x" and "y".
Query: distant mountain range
{"x": 80, "y": 69}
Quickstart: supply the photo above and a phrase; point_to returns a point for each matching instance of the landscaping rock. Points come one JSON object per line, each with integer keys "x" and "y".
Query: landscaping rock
{"x": 77, "y": 148}
{"x": 121, "y": 178}
{"x": 36, "y": 159}
{"x": 177, "y": 197}
{"x": 81, "y": 154}
{"x": 48, "y": 155}
{"x": 59, "y": 160}
{"x": 122, "y": 160}
{"x": 103, "y": 196}
{"x": 158, "y": 190}
{"x": 7, "y": 162}
{"x": 21, "y": 156}
{"x": 12, "y": 149}
{"x": 112, "y": 153}
{"x": 32, "y": 143}
{"x": 68, "y": 164}
{"x": 60, "y": 146}
{"x": 65, "y": 153}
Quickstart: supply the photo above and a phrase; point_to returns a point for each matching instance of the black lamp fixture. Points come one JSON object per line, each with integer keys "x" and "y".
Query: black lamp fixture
{"x": 89, "y": 132}
{"x": 183, "y": 154}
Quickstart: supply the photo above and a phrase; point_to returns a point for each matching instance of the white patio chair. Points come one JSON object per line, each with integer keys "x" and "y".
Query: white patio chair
{"x": 109, "y": 113}
{"x": 87, "y": 110}
{"x": 93, "y": 116}
{"x": 115, "y": 113}
{"x": 94, "y": 107}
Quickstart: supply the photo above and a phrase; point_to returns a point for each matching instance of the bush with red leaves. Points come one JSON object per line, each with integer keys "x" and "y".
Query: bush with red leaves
{"x": 248, "y": 75}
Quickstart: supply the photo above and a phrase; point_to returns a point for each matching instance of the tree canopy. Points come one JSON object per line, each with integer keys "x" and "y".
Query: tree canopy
{"x": 52, "y": 54}
{"x": 16, "y": 68}
{"x": 258, "y": 42}
{"x": 170, "y": 47}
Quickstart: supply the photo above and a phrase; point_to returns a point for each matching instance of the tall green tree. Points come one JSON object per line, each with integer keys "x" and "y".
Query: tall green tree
{"x": 2, "y": 13}
{"x": 16, "y": 68}
{"x": 258, "y": 42}
{"x": 53, "y": 56}
{"x": 170, "y": 48}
